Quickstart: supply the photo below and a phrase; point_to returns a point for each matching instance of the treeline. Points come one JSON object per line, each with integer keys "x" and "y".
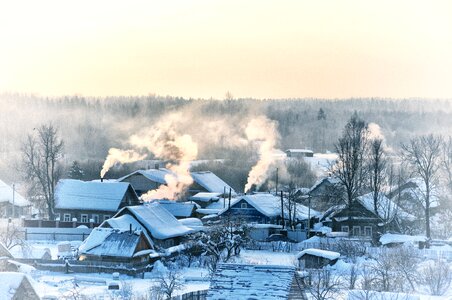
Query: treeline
{"x": 90, "y": 126}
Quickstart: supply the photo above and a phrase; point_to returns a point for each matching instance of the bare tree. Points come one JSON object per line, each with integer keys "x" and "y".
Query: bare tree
{"x": 377, "y": 170}
{"x": 168, "y": 283}
{"x": 323, "y": 285}
{"x": 447, "y": 162}
{"x": 41, "y": 152}
{"x": 12, "y": 236}
{"x": 351, "y": 149}
{"x": 423, "y": 154}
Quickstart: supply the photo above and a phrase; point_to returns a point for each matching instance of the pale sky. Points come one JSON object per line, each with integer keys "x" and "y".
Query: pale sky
{"x": 252, "y": 48}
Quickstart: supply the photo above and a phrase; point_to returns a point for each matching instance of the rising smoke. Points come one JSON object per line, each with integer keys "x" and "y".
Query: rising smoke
{"x": 263, "y": 132}
{"x": 116, "y": 155}
{"x": 167, "y": 140}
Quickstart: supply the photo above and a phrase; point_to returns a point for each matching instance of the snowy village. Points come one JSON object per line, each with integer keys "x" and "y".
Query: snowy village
{"x": 225, "y": 150}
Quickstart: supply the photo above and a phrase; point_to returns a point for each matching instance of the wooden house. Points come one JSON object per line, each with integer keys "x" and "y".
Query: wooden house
{"x": 203, "y": 182}
{"x": 324, "y": 193}
{"x": 361, "y": 220}
{"x": 17, "y": 286}
{"x": 94, "y": 201}
{"x": 115, "y": 245}
{"x": 237, "y": 281}
{"x": 12, "y": 204}
{"x": 316, "y": 258}
{"x": 160, "y": 226}
{"x": 264, "y": 208}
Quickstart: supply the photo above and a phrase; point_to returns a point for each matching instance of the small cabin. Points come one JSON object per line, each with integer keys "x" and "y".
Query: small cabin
{"x": 299, "y": 153}
{"x": 316, "y": 258}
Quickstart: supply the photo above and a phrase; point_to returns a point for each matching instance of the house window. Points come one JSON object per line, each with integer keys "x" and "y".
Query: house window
{"x": 67, "y": 217}
{"x": 368, "y": 230}
{"x": 57, "y": 217}
{"x": 106, "y": 217}
{"x": 344, "y": 228}
{"x": 96, "y": 218}
{"x": 356, "y": 230}
{"x": 244, "y": 205}
{"x": 84, "y": 218}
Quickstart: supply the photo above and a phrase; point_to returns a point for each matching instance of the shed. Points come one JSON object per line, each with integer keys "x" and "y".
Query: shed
{"x": 108, "y": 244}
{"x": 263, "y": 282}
{"x": 17, "y": 286}
{"x": 313, "y": 258}
{"x": 12, "y": 204}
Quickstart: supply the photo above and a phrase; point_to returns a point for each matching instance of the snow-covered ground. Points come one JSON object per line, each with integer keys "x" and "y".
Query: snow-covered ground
{"x": 95, "y": 286}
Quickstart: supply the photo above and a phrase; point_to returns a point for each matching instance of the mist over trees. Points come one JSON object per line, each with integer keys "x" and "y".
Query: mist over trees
{"x": 90, "y": 126}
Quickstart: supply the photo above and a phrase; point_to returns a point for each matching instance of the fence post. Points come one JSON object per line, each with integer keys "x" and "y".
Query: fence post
{"x": 26, "y": 238}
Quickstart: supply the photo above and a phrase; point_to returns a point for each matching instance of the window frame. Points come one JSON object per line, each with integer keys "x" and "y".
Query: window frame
{"x": 358, "y": 228}
{"x": 84, "y": 218}
{"x": 67, "y": 217}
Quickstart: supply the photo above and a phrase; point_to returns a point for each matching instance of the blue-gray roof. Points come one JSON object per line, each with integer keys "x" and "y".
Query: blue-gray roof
{"x": 89, "y": 195}
{"x": 237, "y": 281}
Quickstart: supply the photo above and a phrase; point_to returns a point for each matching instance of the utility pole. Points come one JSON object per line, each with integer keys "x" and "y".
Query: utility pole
{"x": 282, "y": 210}
{"x": 309, "y": 216}
{"x": 13, "y": 210}
{"x": 276, "y": 185}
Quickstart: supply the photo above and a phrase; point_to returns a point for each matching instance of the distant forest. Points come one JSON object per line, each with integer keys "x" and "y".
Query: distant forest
{"x": 90, "y": 126}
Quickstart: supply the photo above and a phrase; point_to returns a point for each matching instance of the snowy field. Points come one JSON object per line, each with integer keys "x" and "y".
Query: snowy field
{"x": 55, "y": 285}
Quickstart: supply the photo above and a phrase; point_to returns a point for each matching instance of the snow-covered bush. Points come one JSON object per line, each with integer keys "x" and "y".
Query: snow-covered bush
{"x": 435, "y": 276}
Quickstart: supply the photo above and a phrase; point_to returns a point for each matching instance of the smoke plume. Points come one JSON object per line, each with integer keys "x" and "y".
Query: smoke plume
{"x": 119, "y": 156}
{"x": 165, "y": 142}
{"x": 263, "y": 132}
{"x": 375, "y": 131}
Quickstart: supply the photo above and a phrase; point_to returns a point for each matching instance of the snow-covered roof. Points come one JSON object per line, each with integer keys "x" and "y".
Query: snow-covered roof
{"x": 178, "y": 209}
{"x": 235, "y": 281}
{"x": 11, "y": 282}
{"x": 299, "y": 151}
{"x": 331, "y": 255}
{"x": 386, "y": 209}
{"x": 4, "y": 252}
{"x": 111, "y": 242}
{"x": 211, "y": 182}
{"x": 205, "y": 197}
{"x": 193, "y": 223}
{"x": 389, "y": 238}
{"x": 416, "y": 190}
{"x": 159, "y": 222}
{"x": 156, "y": 175}
{"x": 89, "y": 195}
{"x": 330, "y": 179}
{"x": 6, "y": 195}
{"x": 270, "y": 205}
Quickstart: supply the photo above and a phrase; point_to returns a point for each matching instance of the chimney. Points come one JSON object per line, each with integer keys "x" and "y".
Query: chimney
{"x": 101, "y": 179}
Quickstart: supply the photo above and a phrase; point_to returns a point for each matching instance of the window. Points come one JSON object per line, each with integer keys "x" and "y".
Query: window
{"x": 57, "y": 217}
{"x": 96, "y": 218}
{"x": 244, "y": 205}
{"x": 344, "y": 228}
{"x": 106, "y": 217}
{"x": 84, "y": 218}
{"x": 67, "y": 217}
{"x": 356, "y": 230}
{"x": 368, "y": 230}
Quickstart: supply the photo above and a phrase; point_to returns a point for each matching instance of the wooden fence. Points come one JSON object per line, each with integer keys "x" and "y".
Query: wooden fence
{"x": 75, "y": 266}
{"x": 196, "y": 295}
